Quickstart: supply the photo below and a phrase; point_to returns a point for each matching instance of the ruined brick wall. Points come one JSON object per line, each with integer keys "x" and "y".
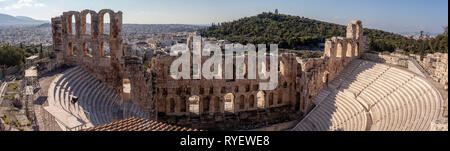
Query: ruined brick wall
{"x": 389, "y": 58}
{"x": 220, "y": 104}
{"x": 300, "y": 80}
{"x": 49, "y": 121}
{"x": 435, "y": 65}
{"x": 247, "y": 105}
{"x": 141, "y": 84}
{"x": 99, "y": 50}
{"x": 340, "y": 51}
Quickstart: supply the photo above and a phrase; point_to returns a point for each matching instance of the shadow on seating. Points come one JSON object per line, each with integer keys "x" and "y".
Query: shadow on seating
{"x": 41, "y": 100}
{"x": 339, "y": 110}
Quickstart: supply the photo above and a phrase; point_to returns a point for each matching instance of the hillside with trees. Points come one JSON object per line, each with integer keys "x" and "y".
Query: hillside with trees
{"x": 12, "y": 56}
{"x": 298, "y": 33}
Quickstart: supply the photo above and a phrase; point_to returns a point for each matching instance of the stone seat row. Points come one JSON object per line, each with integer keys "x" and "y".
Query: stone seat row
{"x": 380, "y": 98}
{"x": 384, "y": 85}
{"x": 96, "y": 105}
{"x": 337, "y": 112}
{"x": 364, "y": 72}
{"x": 364, "y": 79}
{"x": 413, "y": 107}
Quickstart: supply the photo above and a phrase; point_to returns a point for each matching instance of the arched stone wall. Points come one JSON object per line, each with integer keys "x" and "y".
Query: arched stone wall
{"x": 350, "y": 49}
{"x": 101, "y": 15}
{"x": 74, "y": 46}
{"x": 355, "y": 30}
{"x": 84, "y": 22}
{"x": 203, "y": 103}
{"x": 94, "y": 38}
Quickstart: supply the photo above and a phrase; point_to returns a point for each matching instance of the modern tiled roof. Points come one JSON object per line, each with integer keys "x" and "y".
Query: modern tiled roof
{"x": 135, "y": 124}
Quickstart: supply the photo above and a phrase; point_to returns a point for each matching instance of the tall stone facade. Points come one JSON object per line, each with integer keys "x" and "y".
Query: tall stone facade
{"x": 209, "y": 104}
{"x": 101, "y": 52}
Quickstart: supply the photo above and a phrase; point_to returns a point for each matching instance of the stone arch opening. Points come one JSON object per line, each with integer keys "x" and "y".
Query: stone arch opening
{"x": 87, "y": 23}
{"x": 241, "y": 103}
{"x": 171, "y": 108}
{"x": 72, "y": 24}
{"x": 271, "y": 99}
{"x": 87, "y": 49}
{"x": 261, "y": 96}
{"x": 251, "y": 102}
{"x": 71, "y": 49}
{"x": 206, "y": 104}
{"x": 194, "y": 105}
{"x": 179, "y": 91}
{"x": 188, "y": 91}
{"x": 201, "y": 90}
{"x": 223, "y": 90}
{"x": 280, "y": 98}
{"x": 358, "y": 29}
{"x": 349, "y": 50}
{"x": 216, "y": 103}
{"x": 325, "y": 79}
{"x": 340, "y": 50}
{"x": 164, "y": 92}
{"x": 182, "y": 105}
{"x": 211, "y": 90}
{"x": 105, "y": 50}
{"x": 161, "y": 106}
{"x": 281, "y": 68}
{"x": 126, "y": 89}
{"x": 256, "y": 87}
{"x": 105, "y": 23}
{"x": 229, "y": 103}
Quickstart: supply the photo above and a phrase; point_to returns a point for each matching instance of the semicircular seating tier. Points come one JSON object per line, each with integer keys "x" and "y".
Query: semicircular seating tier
{"x": 97, "y": 104}
{"x": 369, "y": 96}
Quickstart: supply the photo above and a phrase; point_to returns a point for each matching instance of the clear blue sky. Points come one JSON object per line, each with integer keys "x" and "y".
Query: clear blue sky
{"x": 389, "y": 15}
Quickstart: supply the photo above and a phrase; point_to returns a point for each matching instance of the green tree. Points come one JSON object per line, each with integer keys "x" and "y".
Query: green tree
{"x": 12, "y": 56}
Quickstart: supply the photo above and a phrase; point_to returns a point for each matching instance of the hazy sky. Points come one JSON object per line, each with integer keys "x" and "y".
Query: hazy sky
{"x": 389, "y": 15}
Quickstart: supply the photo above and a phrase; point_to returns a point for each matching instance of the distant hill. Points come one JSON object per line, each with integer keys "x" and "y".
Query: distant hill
{"x": 45, "y": 25}
{"x": 8, "y": 20}
{"x": 290, "y": 32}
{"x": 159, "y": 28}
